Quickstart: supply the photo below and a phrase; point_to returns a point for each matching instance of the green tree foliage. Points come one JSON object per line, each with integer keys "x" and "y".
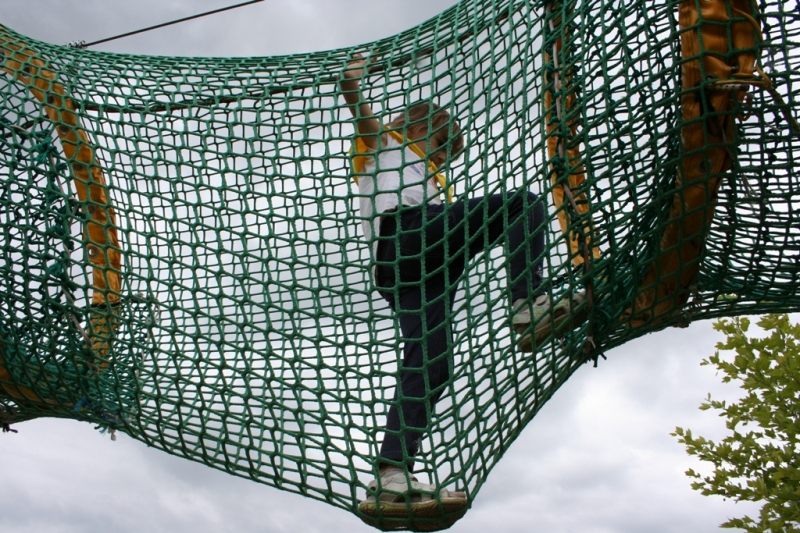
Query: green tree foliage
{"x": 759, "y": 460}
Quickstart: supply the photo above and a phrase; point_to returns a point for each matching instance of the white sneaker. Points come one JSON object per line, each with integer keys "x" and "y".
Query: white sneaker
{"x": 394, "y": 504}
{"x": 546, "y": 320}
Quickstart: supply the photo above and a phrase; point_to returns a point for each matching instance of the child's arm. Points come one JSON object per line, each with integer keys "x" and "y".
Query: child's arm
{"x": 369, "y": 128}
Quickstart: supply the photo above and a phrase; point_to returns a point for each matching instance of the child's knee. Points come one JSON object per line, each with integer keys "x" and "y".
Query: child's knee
{"x": 532, "y": 204}
{"x": 536, "y": 206}
{"x": 528, "y": 198}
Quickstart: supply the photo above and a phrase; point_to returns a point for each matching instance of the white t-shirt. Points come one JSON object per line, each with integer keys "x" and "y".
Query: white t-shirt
{"x": 394, "y": 177}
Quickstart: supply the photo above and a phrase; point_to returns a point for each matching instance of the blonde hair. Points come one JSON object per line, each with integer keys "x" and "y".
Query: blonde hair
{"x": 426, "y": 118}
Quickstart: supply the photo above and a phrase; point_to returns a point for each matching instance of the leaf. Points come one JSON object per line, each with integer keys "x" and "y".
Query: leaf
{"x": 762, "y": 462}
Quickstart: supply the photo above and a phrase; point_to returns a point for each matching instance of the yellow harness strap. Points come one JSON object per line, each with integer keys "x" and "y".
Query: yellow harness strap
{"x": 360, "y": 161}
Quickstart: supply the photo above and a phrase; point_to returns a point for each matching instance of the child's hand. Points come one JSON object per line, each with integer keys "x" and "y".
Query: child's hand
{"x": 357, "y": 68}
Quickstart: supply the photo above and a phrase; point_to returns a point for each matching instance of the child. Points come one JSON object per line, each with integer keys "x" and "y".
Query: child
{"x": 421, "y": 247}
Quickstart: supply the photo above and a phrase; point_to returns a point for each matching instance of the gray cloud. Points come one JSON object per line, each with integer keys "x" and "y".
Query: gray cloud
{"x": 597, "y": 458}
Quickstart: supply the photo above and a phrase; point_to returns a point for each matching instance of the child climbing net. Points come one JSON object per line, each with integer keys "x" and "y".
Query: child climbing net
{"x": 421, "y": 245}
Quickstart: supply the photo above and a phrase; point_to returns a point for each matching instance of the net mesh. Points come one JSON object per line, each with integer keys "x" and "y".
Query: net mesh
{"x": 182, "y": 258}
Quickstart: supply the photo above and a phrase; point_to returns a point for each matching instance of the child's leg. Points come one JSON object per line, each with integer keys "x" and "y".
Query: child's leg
{"x": 516, "y": 217}
{"x": 533, "y": 319}
{"x": 526, "y": 244}
{"x": 422, "y": 304}
{"x": 425, "y": 368}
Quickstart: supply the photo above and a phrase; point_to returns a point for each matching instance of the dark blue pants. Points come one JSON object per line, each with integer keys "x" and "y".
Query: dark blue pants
{"x": 422, "y": 253}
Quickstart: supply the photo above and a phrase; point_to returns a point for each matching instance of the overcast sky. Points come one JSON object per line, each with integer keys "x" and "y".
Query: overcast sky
{"x": 598, "y": 458}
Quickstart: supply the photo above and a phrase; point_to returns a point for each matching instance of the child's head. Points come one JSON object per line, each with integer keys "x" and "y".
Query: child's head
{"x": 418, "y": 121}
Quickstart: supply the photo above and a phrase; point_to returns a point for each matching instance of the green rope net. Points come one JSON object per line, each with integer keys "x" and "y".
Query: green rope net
{"x": 181, "y": 252}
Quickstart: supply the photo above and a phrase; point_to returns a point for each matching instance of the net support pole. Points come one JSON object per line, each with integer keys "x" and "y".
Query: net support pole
{"x": 564, "y": 152}
{"x": 100, "y": 234}
{"x": 718, "y": 58}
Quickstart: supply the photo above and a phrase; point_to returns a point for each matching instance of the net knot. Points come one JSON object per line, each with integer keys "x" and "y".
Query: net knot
{"x": 559, "y": 165}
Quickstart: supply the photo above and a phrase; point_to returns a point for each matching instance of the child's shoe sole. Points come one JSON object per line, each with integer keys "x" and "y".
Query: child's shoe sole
{"x": 423, "y": 516}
